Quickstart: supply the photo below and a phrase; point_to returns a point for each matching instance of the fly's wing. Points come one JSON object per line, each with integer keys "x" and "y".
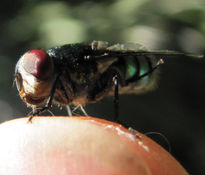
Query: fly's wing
{"x": 137, "y": 50}
{"x": 128, "y": 47}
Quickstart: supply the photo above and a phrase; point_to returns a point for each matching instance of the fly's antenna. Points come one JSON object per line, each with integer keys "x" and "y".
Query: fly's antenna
{"x": 161, "y": 135}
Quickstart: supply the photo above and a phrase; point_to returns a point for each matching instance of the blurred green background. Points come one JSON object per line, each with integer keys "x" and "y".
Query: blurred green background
{"x": 175, "y": 109}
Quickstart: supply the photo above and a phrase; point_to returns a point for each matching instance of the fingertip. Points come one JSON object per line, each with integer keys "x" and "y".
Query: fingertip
{"x": 79, "y": 145}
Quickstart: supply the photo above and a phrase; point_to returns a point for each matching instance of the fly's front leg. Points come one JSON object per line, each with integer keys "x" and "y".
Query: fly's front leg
{"x": 38, "y": 111}
{"x": 48, "y": 104}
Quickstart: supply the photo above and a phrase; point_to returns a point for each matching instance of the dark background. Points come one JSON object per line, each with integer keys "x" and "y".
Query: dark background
{"x": 175, "y": 109}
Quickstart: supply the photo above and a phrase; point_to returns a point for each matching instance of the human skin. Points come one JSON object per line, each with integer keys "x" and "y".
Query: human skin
{"x": 80, "y": 146}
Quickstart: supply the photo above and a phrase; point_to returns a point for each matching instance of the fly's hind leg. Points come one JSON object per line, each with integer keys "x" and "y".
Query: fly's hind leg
{"x": 116, "y": 98}
{"x": 161, "y": 61}
{"x": 116, "y": 107}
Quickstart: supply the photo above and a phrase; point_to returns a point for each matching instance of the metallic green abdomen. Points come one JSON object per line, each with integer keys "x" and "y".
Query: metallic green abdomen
{"x": 138, "y": 74}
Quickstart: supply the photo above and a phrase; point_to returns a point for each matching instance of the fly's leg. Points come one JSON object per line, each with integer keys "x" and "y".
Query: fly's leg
{"x": 161, "y": 61}
{"x": 116, "y": 107}
{"x": 109, "y": 79}
{"x": 69, "y": 110}
{"x": 81, "y": 108}
{"x": 48, "y": 104}
{"x": 38, "y": 111}
{"x": 116, "y": 98}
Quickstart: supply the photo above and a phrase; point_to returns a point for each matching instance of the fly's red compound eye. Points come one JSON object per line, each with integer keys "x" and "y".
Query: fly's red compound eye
{"x": 38, "y": 63}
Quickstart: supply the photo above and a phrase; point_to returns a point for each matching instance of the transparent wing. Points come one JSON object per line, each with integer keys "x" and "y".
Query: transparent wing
{"x": 135, "y": 49}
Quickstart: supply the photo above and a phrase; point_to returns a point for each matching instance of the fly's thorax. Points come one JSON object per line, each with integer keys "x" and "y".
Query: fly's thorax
{"x": 72, "y": 87}
{"x": 34, "y": 83}
{"x": 81, "y": 84}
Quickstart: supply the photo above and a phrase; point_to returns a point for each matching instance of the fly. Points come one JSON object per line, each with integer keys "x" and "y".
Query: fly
{"x": 85, "y": 73}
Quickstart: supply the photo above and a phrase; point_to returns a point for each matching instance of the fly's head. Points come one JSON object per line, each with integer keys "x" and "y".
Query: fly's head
{"x": 34, "y": 77}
